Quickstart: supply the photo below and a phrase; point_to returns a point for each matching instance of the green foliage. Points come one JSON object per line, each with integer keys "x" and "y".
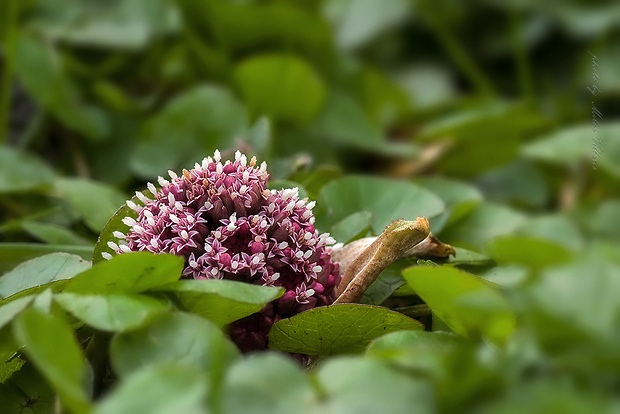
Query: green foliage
{"x": 484, "y": 118}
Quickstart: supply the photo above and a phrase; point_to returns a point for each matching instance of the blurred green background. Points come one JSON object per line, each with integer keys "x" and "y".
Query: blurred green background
{"x": 487, "y": 104}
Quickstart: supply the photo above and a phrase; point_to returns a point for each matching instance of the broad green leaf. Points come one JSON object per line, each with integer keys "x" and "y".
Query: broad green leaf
{"x": 94, "y": 201}
{"x": 115, "y": 223}
{"x": 40, "y": 271}
{"x": 116, "y": 313}
{"x": 41, "y": 70}
{"x": 507, "y": 276}
{"x": 10, "y": 311}
{"x": 557, "y": 228}
{"x": 27, "y": 392}
{"x": 571, "y": 144}
{"x": 221, "y": 301}
{"x": 336, "y": 329}
{"x": 386, "y": 199}
{"x": 267, "y": 383}
{"x": 352, "y": 226}
{"x": 427, "y": 84}
{"x": 418, "y": 351}
{"x": 484, "y": 223}
{"x": 259, "y": 136}
{"x": 519, "y": 183}
{"x": 580, "y": 294}
{"x": 20, "y": 171}
{"x": 527, "y": 250}
{"x": 458, "y": 197}
{"x": 190, "y": 127}
{"x": 604, "y": 221}
{"x": 357, "y": 22}
{"x": 181, "y": 338}
{"x": 121, "y": 25}
{"x": 284, "y": 87}
{"x": 387, "y": 283}
{"x": 128, "y": 273}
{"x": 467, "y": 304}
{"x": 53, "y": 233}
{"x": 10, "y": 363}
{"x": 384, "y": 102}
{"x": 476, "y": 146}
{"x": 344, "y": 121}
{"x": 52, "y": 348}
{"x": 159, "y": 389}
{"x": 364, "y": 385}
{"x": 12, "y": 254}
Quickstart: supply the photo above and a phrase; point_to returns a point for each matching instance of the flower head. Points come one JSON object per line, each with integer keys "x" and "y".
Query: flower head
{"x": 225, "y": 223}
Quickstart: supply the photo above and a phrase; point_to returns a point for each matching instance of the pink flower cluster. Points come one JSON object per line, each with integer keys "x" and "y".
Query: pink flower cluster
{"x": 227, "y": 225}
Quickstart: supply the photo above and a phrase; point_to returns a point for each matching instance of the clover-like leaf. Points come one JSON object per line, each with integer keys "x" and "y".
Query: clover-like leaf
{"x": 337, "y": 329}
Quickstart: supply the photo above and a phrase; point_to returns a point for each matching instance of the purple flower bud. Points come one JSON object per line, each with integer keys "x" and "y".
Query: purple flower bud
{"x": 227, "y": 225}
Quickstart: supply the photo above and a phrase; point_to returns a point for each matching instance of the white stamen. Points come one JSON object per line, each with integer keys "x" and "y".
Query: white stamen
{"x": 217, "y": 156}
{"x": 208, "y": 205}
{"x": 171, "y": 198}
{"x": 184, "y": 234}
{"x": 174, "y": 218}
{"x": 113, "y": 245}
{"x": 306, "y": 214}
{"x": 151, "y": 221}
{"x": 317, "y": 269}
{"x": 263, "y": 167}
{"x": 246, "y": 176}
{"x": 193, "y": 263}
{"x": 132, "y": 205}
{"x": 255, "y": 260}
{"x": 275, "y": 276}
{"x": 118, "y": 235}
{"x": 283, "y": 245}
{"x": 300, "y": 204}
{"x": 244, "y": 160}
{"x": 299, "y": 254}
{"x": 106, "y": 255}
{"x": 219, "y": 168}
{"x": 142, "y": 197}
{"x": 172, "y": 174}
{"x": 243, "y": 188}
{"x": 311, "y": 205}
{"x": 308, "y": 235}
{"x": 309, "y": 292}
{"x": 330, "y": 240}
{"x": 237, "y": 155}
{"x": 154, "y": 243}
{"x": 151, "y": 188}
{"x": 311, "y": 221}
{"x": 190, "y": 219}
{"x": 234, "y": 264}
{"x": 214, "y": 271}
{"x": 178, "y": 205}
{"x": 263, "y": 223}
{"x": 290, "y": 206}
{"x": 129, "y": 221}
{"x": 124, "y": 248}
{"x": 138, "y": 229}
{"x": 162, "y": 181}
{"x": 308, "y": 253}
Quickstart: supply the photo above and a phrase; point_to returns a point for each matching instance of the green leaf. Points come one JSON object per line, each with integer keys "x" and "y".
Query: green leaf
{"x": 557, "y": 228}
{"x": 41, "y": 70}
{"x": 53, "y": 233}
{"x": 10, "y": 363}
{"x": 284, "y": 87}
{"x": 12, "y": 254}
{"x": 128, "y": 273}
{"x": 387, "y": 283}
{"x": 459, "y": 198}
{"x": 467, "y": 304}
{"x": 336, "y": 329}
{"x": 181, "y": 338}
{"x": 115, "y": 223}
{"x": 266, "y": 383}
{"x": 159, "y": 389}
{"x": 40, "y": 271}
{"x": 360, "y": 21}
{"x": 94, "y": 201}
{"x": 386, "y": 199}
{"x": 520, "y": 183}
{"x": 9, "y": 311}
{"x": 416, "y": 351}
{"x": 352, "y": 226}
{"x": 527, "y": 250}
{"x": 605, "y": 219}
{"x": 27, "y": 392}
{"x": 356, "y": 385}
{"x": 484, "y": 223}
{"x": 221, "y": 301}
{"x": 52, "y": 348}
{"x": 20, "y": 171}
{"x": 184, "y": 131}
{"x": 116, "y": 313}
